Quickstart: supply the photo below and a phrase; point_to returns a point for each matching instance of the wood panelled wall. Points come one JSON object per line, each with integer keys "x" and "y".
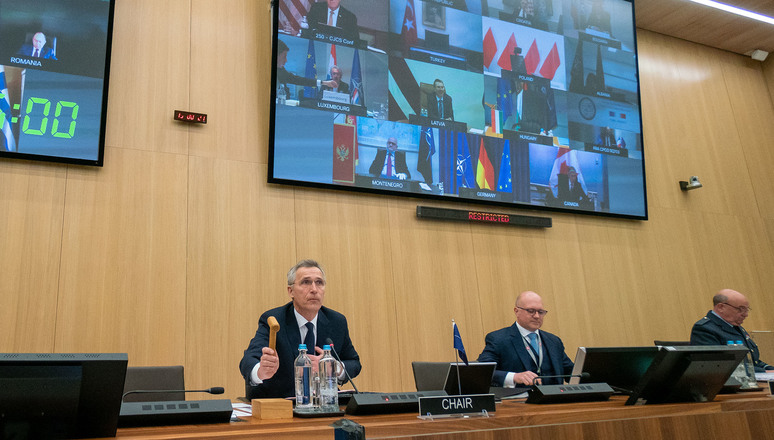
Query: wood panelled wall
{"x": 173, "y": 249}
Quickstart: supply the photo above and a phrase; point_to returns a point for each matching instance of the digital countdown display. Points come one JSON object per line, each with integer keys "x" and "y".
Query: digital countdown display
{"x": 54, "y": 60}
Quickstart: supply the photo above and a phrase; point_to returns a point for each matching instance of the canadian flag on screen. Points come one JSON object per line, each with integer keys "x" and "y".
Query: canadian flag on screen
{"x": 344, "y": 153}
{"x": 565, "y": 158}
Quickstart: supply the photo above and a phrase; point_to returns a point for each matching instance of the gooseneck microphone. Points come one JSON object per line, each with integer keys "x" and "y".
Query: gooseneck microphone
{"x": 213, "y": 390}
{"x": 329, "y": 341}
{"x": 583, "y": 376}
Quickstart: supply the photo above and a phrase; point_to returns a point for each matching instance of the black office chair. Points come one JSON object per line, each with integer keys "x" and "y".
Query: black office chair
{"x": 671, "y": 343}
{"x": 154, "y": 378}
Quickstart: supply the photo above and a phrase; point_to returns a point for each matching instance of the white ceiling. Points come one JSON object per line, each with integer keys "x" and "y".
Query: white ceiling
{"x": 709, "y": 26}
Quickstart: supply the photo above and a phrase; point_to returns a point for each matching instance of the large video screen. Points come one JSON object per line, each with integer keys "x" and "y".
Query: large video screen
{"x": 54, "y": 61}
{"x": 524, "y": 103}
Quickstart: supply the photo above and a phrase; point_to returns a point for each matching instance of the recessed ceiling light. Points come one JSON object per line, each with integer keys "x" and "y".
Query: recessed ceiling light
{"x": 735, "y": 10}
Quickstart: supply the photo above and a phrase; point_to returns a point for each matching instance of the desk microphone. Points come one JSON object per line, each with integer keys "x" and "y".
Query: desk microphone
{"x": 329, "y": 341}
{"x": 583, "y": 376}
{"x": 213, "y": 390}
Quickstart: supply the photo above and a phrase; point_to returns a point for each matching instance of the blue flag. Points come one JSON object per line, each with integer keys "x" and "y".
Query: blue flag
{"x": 426, "y": 152}
{"x": 458, "y": 344}
{"x": 311, "y": 71}
{"x": 464, "y": 164}
{"x": 356, "y": 81}
{"x": 504, "y": 180}
{"x": 504, "y": 101}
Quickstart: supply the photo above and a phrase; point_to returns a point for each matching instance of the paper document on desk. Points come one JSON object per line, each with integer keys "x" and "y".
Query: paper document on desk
{"x": 244, "y": 410}
{"x": 764, "y": 377}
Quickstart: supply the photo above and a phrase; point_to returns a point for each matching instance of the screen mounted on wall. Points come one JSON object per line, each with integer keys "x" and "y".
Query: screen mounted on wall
{"x": 54, "y": 61}
{"x": 524, "y": 103}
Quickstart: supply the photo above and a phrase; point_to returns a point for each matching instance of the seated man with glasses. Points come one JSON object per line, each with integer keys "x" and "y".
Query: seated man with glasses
{"x": 724, "y": 323}
{"x": 523, "y": 351}
{"x": 304, "y": 320}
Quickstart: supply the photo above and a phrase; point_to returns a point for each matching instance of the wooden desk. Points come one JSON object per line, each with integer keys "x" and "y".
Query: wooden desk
{"x": 740, "y": 416}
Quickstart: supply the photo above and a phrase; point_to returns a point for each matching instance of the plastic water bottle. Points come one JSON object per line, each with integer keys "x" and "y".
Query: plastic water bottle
{"x": 303, "y": 372}
{"x": 281, "y": 95}
{"x": 329, "y": 382}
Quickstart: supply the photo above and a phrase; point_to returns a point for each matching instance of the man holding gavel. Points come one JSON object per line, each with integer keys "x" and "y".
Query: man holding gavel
{"x": 268, "y": 371}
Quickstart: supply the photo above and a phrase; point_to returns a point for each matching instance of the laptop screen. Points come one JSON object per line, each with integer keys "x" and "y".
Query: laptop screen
{"x": 474, "y": 378}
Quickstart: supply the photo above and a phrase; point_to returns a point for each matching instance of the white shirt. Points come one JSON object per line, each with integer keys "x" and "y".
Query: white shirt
{"x": 335, "y": 18}
{"x": 301, "y": 321}
{"x": 509, "y": 378}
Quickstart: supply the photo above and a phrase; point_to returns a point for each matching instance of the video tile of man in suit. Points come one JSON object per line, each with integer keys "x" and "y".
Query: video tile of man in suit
{"x": 521, "y": 357}
{"x": 390, "y": 163}
{"x": 336, "y": 77}
{"x": 331, "y": 13}
{"x": 284, "y": 77}
{"x": 37, "y": 49}
{"x": 573, "y": 190}
{"x": 724, "y": 323}
{"x": 439, "y": 105}
{"x": 269, "y": 373}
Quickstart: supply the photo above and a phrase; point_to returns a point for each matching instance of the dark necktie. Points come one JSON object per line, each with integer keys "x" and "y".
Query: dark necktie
{"x": 35, "y": 55}
{"x": 440, "y": 108}
{"x": 309, "y": 339}
{"x": 389, "y": 164}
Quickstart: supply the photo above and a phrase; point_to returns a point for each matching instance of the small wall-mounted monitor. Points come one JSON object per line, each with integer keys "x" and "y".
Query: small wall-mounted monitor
{"x": 54, "y": 62}
{"x": 45, "y": 396}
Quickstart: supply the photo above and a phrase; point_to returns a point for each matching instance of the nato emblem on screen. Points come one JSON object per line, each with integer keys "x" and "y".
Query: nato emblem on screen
{"x": 522, "y": 104}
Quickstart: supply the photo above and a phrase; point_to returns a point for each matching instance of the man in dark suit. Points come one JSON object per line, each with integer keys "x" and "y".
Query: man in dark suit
{"x": 724, "y": 323}
{"x": 390, "y": 163}
{"x": 284, "y": 77}
{"x": 530, "y": 108}
{"x": 331, "y": 13}
{"x": 571, "y": 190}
{"x": 439, "y": 105}
{"x": 269, "y": 373}
{"x": 523, "y": 351}
{"x": 336, "y": 76}
{"x": 37, "y": 49}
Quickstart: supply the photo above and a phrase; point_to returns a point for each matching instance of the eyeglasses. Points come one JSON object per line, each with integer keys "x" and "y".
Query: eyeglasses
{"x": 739, "y": 309}
{"x": 307, "y": 283}
{"x": 540, "y": 312}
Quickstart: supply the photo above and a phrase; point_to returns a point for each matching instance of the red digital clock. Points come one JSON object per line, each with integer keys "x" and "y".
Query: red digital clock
{"x": 194, "y": 118}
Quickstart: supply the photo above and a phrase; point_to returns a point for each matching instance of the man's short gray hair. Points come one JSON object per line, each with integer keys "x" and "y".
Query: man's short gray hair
{"x": 300, "y": 264}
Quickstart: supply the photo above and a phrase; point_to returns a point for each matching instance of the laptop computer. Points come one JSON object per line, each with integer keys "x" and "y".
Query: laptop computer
{"x": 474, "y": 378}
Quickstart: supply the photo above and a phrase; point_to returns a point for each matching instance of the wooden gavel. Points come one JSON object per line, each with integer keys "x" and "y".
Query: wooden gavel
{"x": 273, "y": 329}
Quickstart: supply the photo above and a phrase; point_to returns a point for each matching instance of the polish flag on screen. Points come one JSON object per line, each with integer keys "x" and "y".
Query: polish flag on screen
{"x": 490, "y": 48}
{"x": 532, "y": 59}
{"x": 505, "y": 58}
{"x": 551, "y": 64}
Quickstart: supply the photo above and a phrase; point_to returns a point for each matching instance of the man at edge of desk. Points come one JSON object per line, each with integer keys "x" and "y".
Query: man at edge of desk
{"x": 724, "y": 323}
